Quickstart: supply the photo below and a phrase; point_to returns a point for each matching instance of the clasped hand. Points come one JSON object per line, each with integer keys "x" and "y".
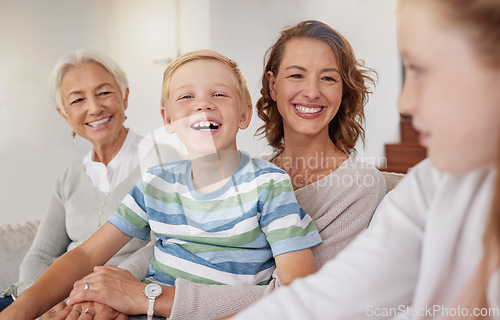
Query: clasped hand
{"x": 107, "y": 293}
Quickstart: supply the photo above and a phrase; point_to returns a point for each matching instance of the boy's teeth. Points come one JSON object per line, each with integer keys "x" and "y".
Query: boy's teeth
{"x": 303, "y": 109}
{"x": 206, "y": 125}
{"x": 98, "y": 122}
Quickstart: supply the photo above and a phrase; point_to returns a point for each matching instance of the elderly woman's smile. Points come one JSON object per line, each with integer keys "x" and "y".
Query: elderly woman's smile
{"x": 98, "y": 123}
{"x": 94, "y": 104}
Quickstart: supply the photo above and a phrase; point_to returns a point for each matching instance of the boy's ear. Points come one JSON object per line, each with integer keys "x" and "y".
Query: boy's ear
{"x": 167, "y": 122}
{"x": 246, "y": 117}
{"x": 272, "y": 81}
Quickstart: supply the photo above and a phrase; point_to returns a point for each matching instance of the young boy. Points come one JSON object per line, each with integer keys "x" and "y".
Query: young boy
{"x": 221, "y": 217}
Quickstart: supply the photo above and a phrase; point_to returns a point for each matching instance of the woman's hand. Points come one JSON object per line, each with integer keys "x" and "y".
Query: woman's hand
{"x": 111, "y": 286}
{"x": 94, "y": 310}
{"x": 57, "y": 312}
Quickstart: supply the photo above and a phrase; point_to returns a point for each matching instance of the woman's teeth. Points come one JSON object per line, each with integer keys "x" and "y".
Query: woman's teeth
{"x": 206, "y": 125}
{"x": 303, "y": 109}
{"x": 98, "y": 122}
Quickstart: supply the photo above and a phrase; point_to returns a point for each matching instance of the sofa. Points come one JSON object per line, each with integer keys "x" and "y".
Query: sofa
{"x": 16, "y": 239}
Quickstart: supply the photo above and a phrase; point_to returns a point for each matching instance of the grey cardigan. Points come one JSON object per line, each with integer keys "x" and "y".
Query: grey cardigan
{"x": 76, "y": 209}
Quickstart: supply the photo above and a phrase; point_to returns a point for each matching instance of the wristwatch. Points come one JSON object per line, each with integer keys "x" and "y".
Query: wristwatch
{"x": 152, "y": 291}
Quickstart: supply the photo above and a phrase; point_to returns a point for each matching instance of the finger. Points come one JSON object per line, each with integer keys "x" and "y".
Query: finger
{"x": 86, "y": 314}
{"x": 91, "y": 277}
{"x": 121, "y": 316}
{"x": 76, "y": 297}
{"x": 58, "y": 307}
{"x": 95, "y": 277}
{"x": 115, "y": 316}
{"x": 87, "y": 284}
{"x": 74, "y": 314}
{"x": 61, "y": 314}
{"x": 58, "y": 312}
{"x": 107, "y": 315}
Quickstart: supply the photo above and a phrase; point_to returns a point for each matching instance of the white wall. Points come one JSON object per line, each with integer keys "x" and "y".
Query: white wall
{"x": 141, "y": 35}
{"x": 35, "y": 143}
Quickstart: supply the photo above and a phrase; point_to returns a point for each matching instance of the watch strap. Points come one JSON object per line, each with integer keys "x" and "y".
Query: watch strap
{"x": 151, "y": 308}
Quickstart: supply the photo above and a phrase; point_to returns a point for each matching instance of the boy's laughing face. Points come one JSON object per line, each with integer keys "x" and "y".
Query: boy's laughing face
{"x": 204, "y": 107}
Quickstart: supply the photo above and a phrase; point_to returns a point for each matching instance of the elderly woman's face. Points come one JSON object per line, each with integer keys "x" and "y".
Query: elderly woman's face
{"x": 94, "y": 105}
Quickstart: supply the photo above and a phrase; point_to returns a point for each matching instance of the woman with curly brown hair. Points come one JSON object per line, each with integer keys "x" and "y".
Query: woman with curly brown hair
{"x": 314, "y": 91}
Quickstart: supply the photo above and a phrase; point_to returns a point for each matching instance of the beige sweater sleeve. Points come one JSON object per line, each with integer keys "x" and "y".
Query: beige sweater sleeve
{"x": 197, "y": 301}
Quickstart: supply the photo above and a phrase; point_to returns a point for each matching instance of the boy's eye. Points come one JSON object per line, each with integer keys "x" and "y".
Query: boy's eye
{"x": 219, "y": 94}
{"x": 185, "y": 96}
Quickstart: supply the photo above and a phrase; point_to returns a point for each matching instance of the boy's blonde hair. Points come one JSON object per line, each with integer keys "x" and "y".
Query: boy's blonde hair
{"x": 241, "y": 83}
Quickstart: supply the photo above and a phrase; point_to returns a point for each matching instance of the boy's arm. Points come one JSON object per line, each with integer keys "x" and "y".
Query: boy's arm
{"x": 296, "y": 264}
{"x": 56, "y": 283}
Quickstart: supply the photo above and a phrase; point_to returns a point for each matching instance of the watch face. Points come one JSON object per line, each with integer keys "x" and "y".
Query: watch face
{"x": 152, "y": 290}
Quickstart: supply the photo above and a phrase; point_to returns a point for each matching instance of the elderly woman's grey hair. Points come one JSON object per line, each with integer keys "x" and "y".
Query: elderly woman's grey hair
{"x": 81, "y": 57}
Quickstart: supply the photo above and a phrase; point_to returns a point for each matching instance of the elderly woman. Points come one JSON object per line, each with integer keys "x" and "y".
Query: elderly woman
{"x": 91, "y": 94}
{"x": 313, "y": 98}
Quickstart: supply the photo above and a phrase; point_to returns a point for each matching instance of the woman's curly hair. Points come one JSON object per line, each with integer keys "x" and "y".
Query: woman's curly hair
{"x": 347, "y": 126}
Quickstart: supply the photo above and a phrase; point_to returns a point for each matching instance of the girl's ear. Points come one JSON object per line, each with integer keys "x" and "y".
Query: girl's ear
{"x": 167, "y": 122}
{"x": 246, "y": 117}
{"x": 271, "y": 79}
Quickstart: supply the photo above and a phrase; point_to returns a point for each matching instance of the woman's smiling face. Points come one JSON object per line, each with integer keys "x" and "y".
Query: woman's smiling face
{"x": 94, "y": 104}
{"x": 308, "y": 86}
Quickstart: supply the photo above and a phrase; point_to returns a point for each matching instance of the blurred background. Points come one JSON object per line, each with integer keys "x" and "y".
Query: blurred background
{"x": 143, "y": 36}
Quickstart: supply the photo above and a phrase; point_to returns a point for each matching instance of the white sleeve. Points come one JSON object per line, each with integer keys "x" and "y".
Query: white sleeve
{"x": 378, "y": 270}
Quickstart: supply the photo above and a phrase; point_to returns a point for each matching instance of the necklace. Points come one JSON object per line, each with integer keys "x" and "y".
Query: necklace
{"x": 318, "y": 168}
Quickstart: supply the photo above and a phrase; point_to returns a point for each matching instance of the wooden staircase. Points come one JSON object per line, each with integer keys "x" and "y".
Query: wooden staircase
{"x": 404, "y": 155}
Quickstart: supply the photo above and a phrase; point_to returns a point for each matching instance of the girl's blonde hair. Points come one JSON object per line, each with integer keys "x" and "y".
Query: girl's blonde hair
{"x": 479, "y": 22}
{"x": 241, "y": 83}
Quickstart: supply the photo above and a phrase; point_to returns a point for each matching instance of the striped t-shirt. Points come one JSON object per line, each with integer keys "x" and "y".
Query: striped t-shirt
{"x": 228, "y": 236}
